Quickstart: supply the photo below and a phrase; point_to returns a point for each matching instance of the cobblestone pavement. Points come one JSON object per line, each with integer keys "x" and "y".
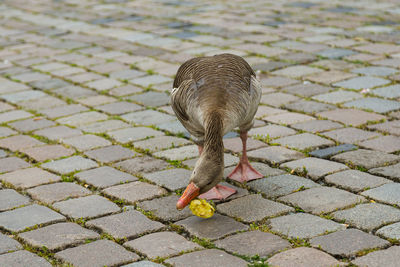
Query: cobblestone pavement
{"x": 92, "y": 158}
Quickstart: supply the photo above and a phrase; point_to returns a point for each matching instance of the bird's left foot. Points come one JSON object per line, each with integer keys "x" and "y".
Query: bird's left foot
{"x": 218, "y": 192}
{"x": 244, "y": 172}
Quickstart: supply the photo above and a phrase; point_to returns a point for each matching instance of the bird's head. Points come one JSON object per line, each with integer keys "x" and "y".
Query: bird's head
{"x": 207, "y": 173}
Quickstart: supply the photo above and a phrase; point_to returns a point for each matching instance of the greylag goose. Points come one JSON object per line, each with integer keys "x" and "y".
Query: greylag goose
{"x": 212, "y": 96}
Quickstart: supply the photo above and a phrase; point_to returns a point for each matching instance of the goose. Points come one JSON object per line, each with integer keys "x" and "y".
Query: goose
{"x": 210, "y": 97}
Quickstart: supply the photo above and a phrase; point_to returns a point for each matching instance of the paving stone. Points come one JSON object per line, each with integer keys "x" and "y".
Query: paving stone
{"x": 378, "y": 48}
{"x": 306, "y": 89}
{"x": 368, "y": 216}
{"x": 387, "y": 193}
{"x": 303, "y": 141}
{"x": 74, "y": 92}
{"x": 316, "y": 126}
{"x": 207, "y": 258}
{"x": 350, "y": 116}
{"x": 392, "y": 91}
{"x": 350, "y": 135}
{"x": 125, "y": 90}
{"x": 281, "y": 185}
{"x": 337, "y": 97}
{"x": 67, "y": 165}
{"x": 104, "y": 177}
{"x": 135, "y": 191}
{"x": 288, "y": 118}
{"x": 104, "y": 126}
{"x": 147, "y": 117}
{"x": 12, "y": 164}
{"x": 362, "y": 82}
{"x": 141, "y": 165}
{"x": 375, "y": 104}
{"x": 86, "y": 207}
{"x": 264, "y": 111}
{"x": 58, "y": 236}
{"x": 392, "y": 171}
{"x": 322, "y": 199}
{"x": 277, "y": 99}
{"x": 119, "y": 108}
{"x": 270, "y": 131}
{"x": 348, "y": 242}
{"x": 23, "y": 96}
{"x": 392, "y": 127}
{"x": 8, "y": 244}
{"x": 18, "y": 142}
{"x": 164, "y": 208}
{"x": 386, "y": 143}
{"x": 14, "y": 115}
{"x": 58, "y": 191}
{"x": 160, "y": 143}
{"x": 31, "y": 124}
{"x": 235, "y": 144}
{"x": 252, "y": 208}
{"x": 277, "y": 81}
{"x": 132, "y": 134}
{"x": 275, "y": 154}
{"x": 83, "y": 118}
{"x": 10, "y": 199}
{"x": 303, "y": 225}
{"x": 297, "y": 71}
{"x": 213, "y": 228}
{"x": 143, "y": 263}
{"x": 56, "y": 112}
{"x": 29, "y": 177}
{"x": 172, "y": 179}
{"x": 23, "y": 258}
{"x": 375, "y": 71}
{"x": 97, "y": 254}
{"x": 330, "y": 151}
{"x": 110, "y": 153}
{"x": 58, "y": 132}
{"x": 152, "y": 99}
{"x": 367, "y": 158}
{"x": 307, "y": 106}
{"x": 174, "y": 127}
{"x": 163, "y": 244}
{"x": 335, "y": 53}
{"x": 387, "y": 257}
{"x": 181, "y": 153}
{"x": 390, "y": 231}
{"x": 103, "y": 84}
{"x": 96, "y": 100}
{"x": 19, "y": 219}
{"x": 43, "y": 153}
{"x": 303, "y": 257}
{"x": 329, "y": 77}
{"x": 253, "y": 243}
{"x": 4, "y": 132}
{"x": 150, "y": 80}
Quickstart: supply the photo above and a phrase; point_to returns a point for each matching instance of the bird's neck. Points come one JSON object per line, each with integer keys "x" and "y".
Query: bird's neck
{"x": 213, "y": 145}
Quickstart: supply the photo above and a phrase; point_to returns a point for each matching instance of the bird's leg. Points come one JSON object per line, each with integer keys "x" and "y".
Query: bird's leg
{"x": 244, "y": 171}
{"x": 217, "y": 192}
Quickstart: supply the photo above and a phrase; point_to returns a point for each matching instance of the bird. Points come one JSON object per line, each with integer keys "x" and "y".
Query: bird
{"x": 211, "y": 96}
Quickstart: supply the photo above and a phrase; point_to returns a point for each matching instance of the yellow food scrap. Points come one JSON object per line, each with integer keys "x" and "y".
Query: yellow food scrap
{"x": 201, "y": 208}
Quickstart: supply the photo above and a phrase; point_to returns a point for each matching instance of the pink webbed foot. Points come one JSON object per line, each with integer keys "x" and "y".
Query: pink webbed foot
{"x": 218, "y": 192}
{"x": 244, "y": 172}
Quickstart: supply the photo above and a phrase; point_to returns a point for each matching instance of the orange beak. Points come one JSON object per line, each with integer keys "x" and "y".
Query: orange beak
{"x": 190, "y": 193}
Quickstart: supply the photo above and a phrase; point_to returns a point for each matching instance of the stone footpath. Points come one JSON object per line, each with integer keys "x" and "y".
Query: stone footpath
{"x": 93, "y": 159}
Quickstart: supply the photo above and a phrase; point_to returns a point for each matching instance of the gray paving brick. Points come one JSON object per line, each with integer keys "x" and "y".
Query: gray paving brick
{"x": 368, "y": 216}
{"x": 375, "y": 104}
{"x": 68, "y": 165}
{"x": 348, "y": 242}
{"x": 82, "y": 118}
{"x": 275, "y": 154}
{"x": 29, "y": 177}
{"x": 58, "y": 236}
{"x": 303, "y": 257}
{"x": 127, "y": 224}
{"x": 331, "y": 151}
{"x": 104, "y": 126}
{"x": 213, "y": 228}
{"x": 164, "y": 208}
{"x": 172, "y": 179}
{"x": 86, "y": 207}
{"x": 306, "y": 90}
{"x": 5, "y": 131}
{"x": 350, "y": 135}
{"x": 8, "y": 244}
{"x": 147, "y": 117}
{"x": 235, "y": 144}
{"x": 86, "y": 142}
{"x": 97, "y": 254}
{"x": 31, "y": 124}
{"x": 253, "y": 243}
{"x": 367, "y": 158}
{"x": 132, "y": 134}
{"x": 392, "y": 171}
{"x": 58, "y": 191}
{"x": 271, "y": 131}
{"x": 150, "y": 99}
{"x": 12, "y": 164}
{"x": 308, "y": 106}
{"x": 337, "y": 97}
{"x": 119, "y": 108}
{"x": 14, "y": 115}
{"x": 181, "y": 153}
{"x": 388, "y": 143}
{"x": 135, "y": 191}
{"x": 143, "y": 263}
{"x": 23, "y": 258}
{"x": 207, "y": 258}
{"x": 10, "y": 199}
{"x": 391, "y": 127}
{"x": 252, "y": 208}
{"x": 375, "y": 71}
{"x": 19, "y": 219}
{"x": 387, "y": 257}
{"x": 56, "y": 112}
{"x": 58, "y": 132}
{"x": 303, "y": 225}
{"x": 387, "y": 193}
{"x": 18, "y": 142}
{"x": 304, "y": 141}
{"x": 163, "y": 244}
{"x": 139, "y": 165}
{"x": 391, "y": 231}
{"x": 350, "y": 116}
{"x": 43, "y": 153}
{"x": 362, "y": 82}
{"x": 110, "y": 153}
{"x": 160, "y": 143}
{"x": 322, "y": 199}
{"x": 392, "y": 91}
